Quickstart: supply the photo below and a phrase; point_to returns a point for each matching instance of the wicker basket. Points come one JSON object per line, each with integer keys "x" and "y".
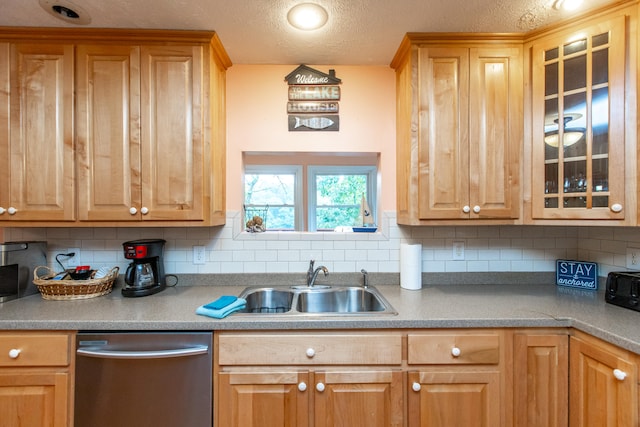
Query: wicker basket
{"x": 63, "y": 290}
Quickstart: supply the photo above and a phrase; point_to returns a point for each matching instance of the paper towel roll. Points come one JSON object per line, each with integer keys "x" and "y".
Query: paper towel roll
{"x": 411, "y": 266}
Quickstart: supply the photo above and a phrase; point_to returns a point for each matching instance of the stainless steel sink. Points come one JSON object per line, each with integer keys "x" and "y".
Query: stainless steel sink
{"x": 296, "y": 300}
{"x": 339, "y": 300}
{"x": 268, "y": 300}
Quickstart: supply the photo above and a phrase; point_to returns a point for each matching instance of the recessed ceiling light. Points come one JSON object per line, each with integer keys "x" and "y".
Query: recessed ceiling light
{"x": 307, "y": 16}
{"x": 67, "y": 11}
{"x": 567, "y": 4}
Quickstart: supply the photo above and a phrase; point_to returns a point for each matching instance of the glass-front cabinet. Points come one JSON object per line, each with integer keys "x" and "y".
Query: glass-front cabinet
{"x": 578, "y": 136}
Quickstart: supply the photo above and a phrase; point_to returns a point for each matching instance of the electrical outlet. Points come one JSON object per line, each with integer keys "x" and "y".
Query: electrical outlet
{"x": 458, "y": 251}
{"x": 633, "y": 258}
{"x": 199, "y": 256}
{"x": 73, "y": 261}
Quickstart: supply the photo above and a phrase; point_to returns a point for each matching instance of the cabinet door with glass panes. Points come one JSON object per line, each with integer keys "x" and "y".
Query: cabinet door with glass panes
{"x": 578, "y": 138}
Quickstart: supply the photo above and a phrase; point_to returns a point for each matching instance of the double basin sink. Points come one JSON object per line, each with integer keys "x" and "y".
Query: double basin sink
{"x": 316, "y": 300}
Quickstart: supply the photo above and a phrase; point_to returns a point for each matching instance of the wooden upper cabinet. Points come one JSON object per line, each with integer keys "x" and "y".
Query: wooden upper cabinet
{"x": 140, "y": 133}
{"x": 172, "y": 133}
{"x": 459, "y": 130}
{"x": 108, "y": 134}
{"x": 39, "y": 177}
{"x": 582, "y": 151}
{"x": 146, "y": 144}
{"x": 5, "y": 128}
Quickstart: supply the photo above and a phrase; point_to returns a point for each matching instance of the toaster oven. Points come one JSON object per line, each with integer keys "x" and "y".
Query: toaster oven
{"x": 623, "y": 289}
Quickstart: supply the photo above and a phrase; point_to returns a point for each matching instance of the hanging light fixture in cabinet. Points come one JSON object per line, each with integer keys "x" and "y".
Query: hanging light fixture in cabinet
{"x": 569, "y": 135}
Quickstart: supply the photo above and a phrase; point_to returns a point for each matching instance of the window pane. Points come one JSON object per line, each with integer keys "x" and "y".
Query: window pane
{"x": 575, "y": 73}
{"x": 600, "y": 39}
{"x": 270, "y": 196}
{"x": 600, "y": 66}
{"x": 576, "y": 46}
{"x": 551, "y": 54}
{"x": 269, "y": 189}
{"x": 551, "y": 79}
{"x": 338, "y": 200}
{"x": 281, "y": 218}
{"x": 330, "y": 218}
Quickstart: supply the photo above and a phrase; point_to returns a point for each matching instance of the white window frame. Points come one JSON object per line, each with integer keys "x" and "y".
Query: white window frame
{"x": 295, "y": 170}
{"x": 314, "y": 171}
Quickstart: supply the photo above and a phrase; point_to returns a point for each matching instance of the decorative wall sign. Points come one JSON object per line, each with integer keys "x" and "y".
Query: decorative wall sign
{"x": 314, "y": 93}
{"x": 577, "y": 274}
{"x": 304, "y": 75}
{"x": 310, "y": 123}
{"x": 313, "y": 107}
{"x": 313, "y": 100}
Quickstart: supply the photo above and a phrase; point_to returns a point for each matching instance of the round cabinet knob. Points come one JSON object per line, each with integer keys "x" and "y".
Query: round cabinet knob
{"x": 302, "y": 386}
{"x": 476, "y": 209}
{"x": 416, "y": 387}
{"x": 320, "y": 387}
{"x": 14, "y": 353}
{"x": 2, "y": 210}
{"x": 144, "y": 210}
{"x": 616, "y": 207}
{"x": 455, "y": 352}
{"x": 466, "y": 209}
{"x": 620, "y": 375}
{"x": 310, "y": 353}
{"x": 12, "y": 210}
{"x": 133, "y": 211}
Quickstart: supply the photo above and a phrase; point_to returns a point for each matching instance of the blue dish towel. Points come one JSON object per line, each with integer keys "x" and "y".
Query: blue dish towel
{"x": 222, "y": 307}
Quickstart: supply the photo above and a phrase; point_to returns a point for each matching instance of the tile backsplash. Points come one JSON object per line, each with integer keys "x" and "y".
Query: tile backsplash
{"x": 228, "y": 250}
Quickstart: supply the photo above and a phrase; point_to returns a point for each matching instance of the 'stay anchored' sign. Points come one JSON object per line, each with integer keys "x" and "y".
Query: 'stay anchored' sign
{"x": 577, "y": 274}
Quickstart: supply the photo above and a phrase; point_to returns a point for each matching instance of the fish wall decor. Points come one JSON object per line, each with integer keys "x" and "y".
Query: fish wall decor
{"x": 301, "y": 123}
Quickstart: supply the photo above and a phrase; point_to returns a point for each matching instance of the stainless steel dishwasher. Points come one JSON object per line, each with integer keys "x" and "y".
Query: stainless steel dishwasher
{"x": 139, "y": 379}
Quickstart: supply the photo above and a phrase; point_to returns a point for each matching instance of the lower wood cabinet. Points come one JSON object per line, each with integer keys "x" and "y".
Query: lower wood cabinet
{"x": 36, "y": 379}
{"x": 462, "y": 381}
{"x": 358, "y": 398}
{"x": 286, "y": 397}
{"x": 454, "y": 398}
{"x": 320, "y": 379}
{"x": 541, "y": 378}
{"x": 262, "y": 399}
{"x": 603, "y": 384}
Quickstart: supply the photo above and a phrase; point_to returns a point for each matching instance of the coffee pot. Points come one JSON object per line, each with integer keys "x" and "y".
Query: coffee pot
{"x": 145, "y": 275}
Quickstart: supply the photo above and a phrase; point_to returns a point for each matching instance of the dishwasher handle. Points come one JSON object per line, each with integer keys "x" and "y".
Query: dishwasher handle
{"x": 137, "y": 354}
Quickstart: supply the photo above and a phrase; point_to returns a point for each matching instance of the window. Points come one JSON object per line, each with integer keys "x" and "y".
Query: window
{"x": 335, "y": 195}
{"x": 309, "y": 195}
{"x": 274, "y": 193}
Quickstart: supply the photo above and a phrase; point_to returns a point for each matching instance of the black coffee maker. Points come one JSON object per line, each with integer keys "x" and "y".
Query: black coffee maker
{"x": 145, "y": 275}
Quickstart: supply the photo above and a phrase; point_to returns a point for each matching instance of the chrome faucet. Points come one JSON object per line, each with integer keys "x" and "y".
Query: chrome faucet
{"x": 365, "y": 278}
{"x": 312, "y": 274}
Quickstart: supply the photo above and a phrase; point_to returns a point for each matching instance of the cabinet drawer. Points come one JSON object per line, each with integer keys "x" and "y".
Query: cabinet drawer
{"x": 309, "y": 349}
{"x": 34, "y": 350}
{"x": 454, "y": 348}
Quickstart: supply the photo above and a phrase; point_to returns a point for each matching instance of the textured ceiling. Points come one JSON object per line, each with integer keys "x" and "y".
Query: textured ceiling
{"x": 359, "y": 32}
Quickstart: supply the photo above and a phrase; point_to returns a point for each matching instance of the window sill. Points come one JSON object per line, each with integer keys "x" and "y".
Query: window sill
{"x": 239, "y": 232}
